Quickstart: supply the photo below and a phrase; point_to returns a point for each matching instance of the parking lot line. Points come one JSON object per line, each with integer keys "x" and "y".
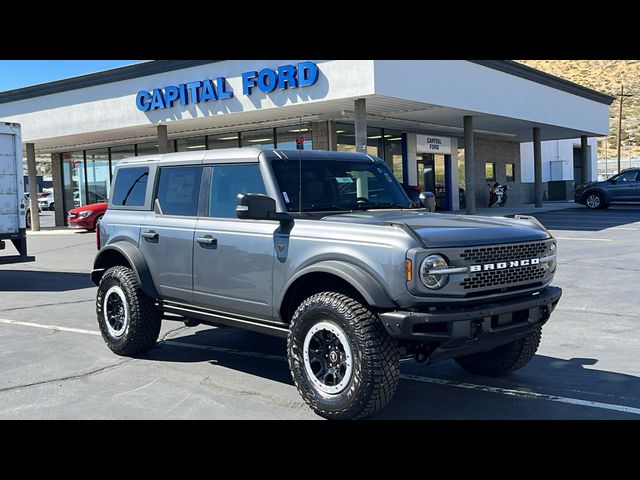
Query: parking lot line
{"x": 436, "y": 381}
{"x": 523, "y": 394}
{"x": 49, "y": 327}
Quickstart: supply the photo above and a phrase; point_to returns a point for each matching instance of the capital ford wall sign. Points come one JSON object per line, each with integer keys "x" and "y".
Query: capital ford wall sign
{"x": 284, "y": 77}
{"x": 433, "y": 144}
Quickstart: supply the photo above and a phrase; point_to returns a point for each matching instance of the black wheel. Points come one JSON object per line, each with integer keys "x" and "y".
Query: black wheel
{"x": 343, "y": 362}
{"x": 594, "y": 201}
{"x": 28, "y": 218}
{"x": 129, "y": 320}
{"x": 504, "y": 359}
{"x": 96, "y": 223}
{"x": 52, "y": 207}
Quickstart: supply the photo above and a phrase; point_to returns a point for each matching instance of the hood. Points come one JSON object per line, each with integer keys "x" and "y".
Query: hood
{"x": 446, "y": 230}
{"x": 92, "y": 206}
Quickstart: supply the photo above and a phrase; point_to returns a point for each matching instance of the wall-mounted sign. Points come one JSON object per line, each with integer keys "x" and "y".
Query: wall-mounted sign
{"x": 284, "y": 77}
{"x": 433, "y": 144}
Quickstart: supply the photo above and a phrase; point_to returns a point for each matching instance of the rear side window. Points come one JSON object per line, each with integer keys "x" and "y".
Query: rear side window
{"x": 130, "y": 187}
{"x": 227, "y": 182}
{"x": 178, "y": 190}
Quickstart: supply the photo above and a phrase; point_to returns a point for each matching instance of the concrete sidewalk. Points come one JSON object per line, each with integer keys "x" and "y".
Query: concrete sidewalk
{"x": 527, "y": 209}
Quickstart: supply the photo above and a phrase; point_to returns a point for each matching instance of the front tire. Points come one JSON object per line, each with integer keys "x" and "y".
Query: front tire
{"x": 128, "y": 319}
{"x": 96, "y": 223}
{"x": 52, "y": 207}
{"x": 502, "y": 360}
{"x": 28, "y": 218}
{"x": 595, "y": 201}
{"x": 342, "y": 360}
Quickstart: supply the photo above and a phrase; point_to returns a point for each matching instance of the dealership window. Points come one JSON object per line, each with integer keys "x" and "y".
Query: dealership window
{"x": 148, "y": 148}
{"x": 346, "y": 139}
{"x": 224, "y": 140}
{"x": 98, "y": 181}
{"x": 190, "y": 144}
{"x": 510, "y": 172}
{"x": 178, "y": 190}
{"x": 393, "y": 152}
{"x": 73, "y": 181}
{"x": 490, "y": 172}
{"x": 227, "y": 182}
{"x": 256, "y": 138}
{"x": 131, "y": 186}
{"x": 120, "y": 152}
{"x": 286, "y": 137}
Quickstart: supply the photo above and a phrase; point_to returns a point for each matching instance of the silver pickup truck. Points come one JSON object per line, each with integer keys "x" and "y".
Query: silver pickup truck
{"x": 327, "y": 250}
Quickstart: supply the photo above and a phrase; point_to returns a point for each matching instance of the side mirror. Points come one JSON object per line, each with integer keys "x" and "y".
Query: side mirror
{"x": 428, "y": 201}
{"x": 256, "y": 206}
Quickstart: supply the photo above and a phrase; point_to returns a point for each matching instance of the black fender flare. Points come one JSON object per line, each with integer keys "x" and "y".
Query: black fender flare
{"x": 133, "y": 256}
{"x": 366, "y": 285}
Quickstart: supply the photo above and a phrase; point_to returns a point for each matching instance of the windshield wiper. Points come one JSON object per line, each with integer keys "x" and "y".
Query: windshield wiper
{"x": 325, "y": 208}
{"x": 373, "y": 205}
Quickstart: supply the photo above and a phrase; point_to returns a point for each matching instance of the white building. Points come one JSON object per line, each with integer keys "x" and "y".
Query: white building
{"x": 409, "y": 112}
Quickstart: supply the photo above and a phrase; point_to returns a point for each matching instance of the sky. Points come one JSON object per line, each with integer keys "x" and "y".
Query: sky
{"x": 22, "y": 73}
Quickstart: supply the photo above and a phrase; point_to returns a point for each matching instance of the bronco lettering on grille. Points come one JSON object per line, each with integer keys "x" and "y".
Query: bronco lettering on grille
{"x": 502, "y": 265}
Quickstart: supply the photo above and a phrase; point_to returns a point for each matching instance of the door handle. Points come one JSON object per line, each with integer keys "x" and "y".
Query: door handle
{"x": 207, "y": 240}
{"x": 151, "y": 235}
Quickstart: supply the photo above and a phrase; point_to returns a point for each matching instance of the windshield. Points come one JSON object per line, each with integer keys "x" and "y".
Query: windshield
{"x": 338, "y": 185}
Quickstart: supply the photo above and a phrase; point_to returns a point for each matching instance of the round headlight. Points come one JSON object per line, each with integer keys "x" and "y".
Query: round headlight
{"x": 433, "y": 281}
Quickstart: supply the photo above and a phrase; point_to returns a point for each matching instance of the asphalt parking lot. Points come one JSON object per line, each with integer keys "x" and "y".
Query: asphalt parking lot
{"x": 54, "y": 364}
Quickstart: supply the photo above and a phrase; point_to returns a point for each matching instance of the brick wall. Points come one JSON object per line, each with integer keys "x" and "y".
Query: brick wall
{"x": 323, "y": 135}
{"x": 500, "y": 153}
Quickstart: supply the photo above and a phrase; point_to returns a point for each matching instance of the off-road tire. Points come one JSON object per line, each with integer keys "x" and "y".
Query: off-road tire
{"x": 144, "y": 320}
{"x": 376, "y": 359}
{"x": 502, "y": 360}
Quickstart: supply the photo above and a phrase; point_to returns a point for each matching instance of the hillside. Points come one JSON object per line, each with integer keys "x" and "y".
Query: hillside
{"x": 606, "y": 76}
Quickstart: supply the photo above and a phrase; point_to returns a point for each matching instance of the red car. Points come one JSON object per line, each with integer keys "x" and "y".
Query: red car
{"x": 87, "y": 216}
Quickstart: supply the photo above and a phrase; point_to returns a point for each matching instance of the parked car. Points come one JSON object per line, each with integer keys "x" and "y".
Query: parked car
{"x": 336, "y": 260}
{"x": 87, "y": 217}
{"x": 621, "y": 188}
{"x": 46, "y": 202}
{"x": 27, "y": 204}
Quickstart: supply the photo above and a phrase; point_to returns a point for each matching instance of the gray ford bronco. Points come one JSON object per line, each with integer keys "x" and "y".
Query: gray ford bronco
{"x": 327, "y": 250}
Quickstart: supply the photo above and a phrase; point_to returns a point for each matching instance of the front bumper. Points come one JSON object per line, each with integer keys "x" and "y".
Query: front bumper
{"x": 86, "y": 223}
{"x": 469, "y": 329}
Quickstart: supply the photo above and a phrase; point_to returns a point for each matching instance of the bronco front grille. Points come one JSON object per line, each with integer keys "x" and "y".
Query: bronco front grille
{"x": 492, "y": 278}
{"x": 503, "y": 253}
{"x": 503, "y": 278}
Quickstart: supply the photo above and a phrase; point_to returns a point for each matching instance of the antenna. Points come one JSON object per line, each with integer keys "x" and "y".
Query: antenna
{"x": 300, "y": 172}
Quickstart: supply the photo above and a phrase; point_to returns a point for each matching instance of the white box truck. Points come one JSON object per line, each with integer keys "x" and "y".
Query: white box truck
{"x": 12, "y": 199}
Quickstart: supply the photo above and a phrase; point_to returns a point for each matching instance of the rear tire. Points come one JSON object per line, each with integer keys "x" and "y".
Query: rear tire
{"x": 52, "y": 207}
{"x": 342, "y": 360}
{"x": 128, "y": 319}
{"x": 502, "y": 360}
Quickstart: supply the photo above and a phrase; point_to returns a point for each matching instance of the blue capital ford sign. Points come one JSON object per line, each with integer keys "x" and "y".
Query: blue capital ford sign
{"x": 284, "y": 77}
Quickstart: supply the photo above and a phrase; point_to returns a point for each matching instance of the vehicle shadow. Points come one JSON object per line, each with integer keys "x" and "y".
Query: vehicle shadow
{"x": 41, "y": 281}
{"x": 574, "y": 378}
{"x": 557, "y": 378}
{"x": 245, "y": 352}
{"x": 585, "y": 220}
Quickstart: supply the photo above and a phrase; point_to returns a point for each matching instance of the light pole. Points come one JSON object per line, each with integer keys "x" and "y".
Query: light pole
{"x": 621, "y": 95}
